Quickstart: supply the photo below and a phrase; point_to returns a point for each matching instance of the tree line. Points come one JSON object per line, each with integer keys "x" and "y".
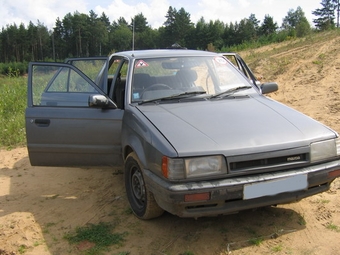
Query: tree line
{"x": 81, "y": 35}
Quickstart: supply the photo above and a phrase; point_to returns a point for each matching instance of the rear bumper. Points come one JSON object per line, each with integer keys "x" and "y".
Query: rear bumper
{"x": 235, "y": 194}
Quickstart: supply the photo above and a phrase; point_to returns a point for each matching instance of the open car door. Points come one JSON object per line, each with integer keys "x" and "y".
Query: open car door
{"x": 242, "y": 66}
{"x": 62, "y": 127}
{"x": 236, "y": 59}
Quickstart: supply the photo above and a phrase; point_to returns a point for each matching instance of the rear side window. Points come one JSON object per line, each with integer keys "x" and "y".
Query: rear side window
{"x": 56, "y": 85}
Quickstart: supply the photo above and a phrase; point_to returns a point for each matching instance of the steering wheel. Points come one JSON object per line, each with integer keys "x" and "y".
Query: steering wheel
{"x": 157, "y": 86}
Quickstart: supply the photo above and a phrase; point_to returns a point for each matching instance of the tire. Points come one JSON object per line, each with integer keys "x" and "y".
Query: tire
{"x": 142, "y": 201}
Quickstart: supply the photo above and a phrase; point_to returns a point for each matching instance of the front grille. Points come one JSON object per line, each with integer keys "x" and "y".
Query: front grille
{"x": 268, "y": 161}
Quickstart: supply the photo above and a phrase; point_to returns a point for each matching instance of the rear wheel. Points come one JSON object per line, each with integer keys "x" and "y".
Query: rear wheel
{"x": 142, "y": 201}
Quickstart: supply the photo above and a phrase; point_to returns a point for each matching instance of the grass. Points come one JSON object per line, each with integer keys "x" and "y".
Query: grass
{"x": 333, "y": 227}
{"x": 22, "y": 249}
{"x": 187, "y": 253}
{"x": 277, "y": 248}
{"x": 47, "y": 226}
{"x": 302, "y": 221}
{"x": 256, "y": 241}
{"x": 323, "y": 201}
{"x": 100, "y": 235}
{"x": 13, "y": 90}
{"x": 277, "y": 64}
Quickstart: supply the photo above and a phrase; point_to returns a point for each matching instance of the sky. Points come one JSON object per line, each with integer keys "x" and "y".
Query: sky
{"x": 47, "y": 12}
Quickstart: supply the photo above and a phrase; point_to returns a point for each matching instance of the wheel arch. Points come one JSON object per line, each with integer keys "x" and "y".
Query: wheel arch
{"x": 135, "y": 145}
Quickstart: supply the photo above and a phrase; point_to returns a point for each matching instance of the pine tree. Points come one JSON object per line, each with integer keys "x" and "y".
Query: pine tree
{"x": 325, "y": 14}
{"x": 268, "y": 26}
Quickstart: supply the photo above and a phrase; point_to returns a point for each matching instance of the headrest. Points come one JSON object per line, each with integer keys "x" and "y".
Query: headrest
{"x": 187, "y": 75}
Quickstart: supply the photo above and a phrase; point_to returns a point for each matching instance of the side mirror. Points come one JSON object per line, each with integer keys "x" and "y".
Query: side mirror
{"x": 269, "y": 87}
{"x": 100, "y": 101}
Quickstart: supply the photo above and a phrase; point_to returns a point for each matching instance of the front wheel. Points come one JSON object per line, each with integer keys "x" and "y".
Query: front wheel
{"x": 142, "y": 201}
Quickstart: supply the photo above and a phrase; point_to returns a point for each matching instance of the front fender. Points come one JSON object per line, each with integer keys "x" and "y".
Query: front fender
{"x": 142, "y": 137}
{"x": 133, "y": 143}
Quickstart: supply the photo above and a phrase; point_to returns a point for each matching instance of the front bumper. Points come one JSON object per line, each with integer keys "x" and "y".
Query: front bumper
{"x": 231, "y": 195}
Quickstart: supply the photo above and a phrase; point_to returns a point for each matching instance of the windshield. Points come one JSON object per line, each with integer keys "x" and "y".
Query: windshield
{"x": 159, "y": 78}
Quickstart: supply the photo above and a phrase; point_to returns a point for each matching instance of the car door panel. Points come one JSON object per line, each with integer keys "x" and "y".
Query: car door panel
{"x": 61, "y": 128}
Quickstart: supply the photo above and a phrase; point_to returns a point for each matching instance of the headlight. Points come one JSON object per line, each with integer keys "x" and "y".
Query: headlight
{"x": 195, "y": 167}
{"x": 177, "y": 169}
{"x": 324, "y": 150}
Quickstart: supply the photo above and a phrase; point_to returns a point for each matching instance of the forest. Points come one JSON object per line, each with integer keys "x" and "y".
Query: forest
{"x": 81, "y": 35}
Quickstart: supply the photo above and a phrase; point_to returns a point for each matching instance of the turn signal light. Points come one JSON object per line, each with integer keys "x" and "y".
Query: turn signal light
{"x": 165, "y": 166}
{"x": 197, "y": 197}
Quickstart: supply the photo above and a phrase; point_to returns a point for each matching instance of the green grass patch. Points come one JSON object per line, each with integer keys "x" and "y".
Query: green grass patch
{"x": 22, "y": 249}
{"x": 256, "y": 241}
{"x": 277, "y": 248}
{"x": 302, "y": 221}
{"x": 100, "y": 235}
{"x": 333, "y": 227}
{"x": 187, "y": 253}
{"x": 13, "y": 91}
{"x": 323, "y": 201}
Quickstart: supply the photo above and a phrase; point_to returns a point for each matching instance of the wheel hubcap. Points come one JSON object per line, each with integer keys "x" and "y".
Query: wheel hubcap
{"x": 138, "y": 186}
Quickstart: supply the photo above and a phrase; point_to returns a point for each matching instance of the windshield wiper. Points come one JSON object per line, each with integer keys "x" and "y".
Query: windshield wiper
{"x": 230, "y": 92}
{"x": 175, "y": 96}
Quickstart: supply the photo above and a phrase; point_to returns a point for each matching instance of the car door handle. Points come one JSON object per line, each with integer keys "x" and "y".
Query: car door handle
{"x": 42, "y": 122}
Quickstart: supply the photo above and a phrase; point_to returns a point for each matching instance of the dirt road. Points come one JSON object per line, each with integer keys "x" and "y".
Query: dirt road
{"x": 39, "y": 205}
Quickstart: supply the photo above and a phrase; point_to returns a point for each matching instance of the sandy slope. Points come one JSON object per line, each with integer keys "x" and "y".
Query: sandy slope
{"x": 39, "y": 205}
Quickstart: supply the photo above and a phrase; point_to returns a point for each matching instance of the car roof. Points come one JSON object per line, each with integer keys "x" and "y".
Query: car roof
{"x": 137, "y": 54}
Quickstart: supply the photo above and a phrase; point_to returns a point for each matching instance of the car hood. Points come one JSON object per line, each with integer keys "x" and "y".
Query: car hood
{"x": 233, "y": 126}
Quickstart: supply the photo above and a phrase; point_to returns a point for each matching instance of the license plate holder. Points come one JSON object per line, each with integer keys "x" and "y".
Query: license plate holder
{"x": 274, "y": 187}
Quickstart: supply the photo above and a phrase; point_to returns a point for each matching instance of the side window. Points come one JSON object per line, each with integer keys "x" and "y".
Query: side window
{"x": 233, "y": 60}
{"x": 123, "y": 71}
{"x": 92, "y": 68}
{"x": 60, "y": 85}
{"x": 67, "y": 80}
{"x": 117, "y": 70}
{"x": 119, "y": 84}
{"x": 112, "y": 74}
{"x": 113, "y": 67}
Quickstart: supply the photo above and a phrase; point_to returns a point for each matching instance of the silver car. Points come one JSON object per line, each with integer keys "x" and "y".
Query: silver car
{"x": 196, "y": 136}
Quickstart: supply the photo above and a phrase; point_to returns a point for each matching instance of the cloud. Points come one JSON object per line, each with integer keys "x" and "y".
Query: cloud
{"x": 244, "y": 3}
{"x": 223, "y": 10}
{"x": 213, "y": 9}
{"x": 154, "y": 11}
{"x": 24, "y": 11}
